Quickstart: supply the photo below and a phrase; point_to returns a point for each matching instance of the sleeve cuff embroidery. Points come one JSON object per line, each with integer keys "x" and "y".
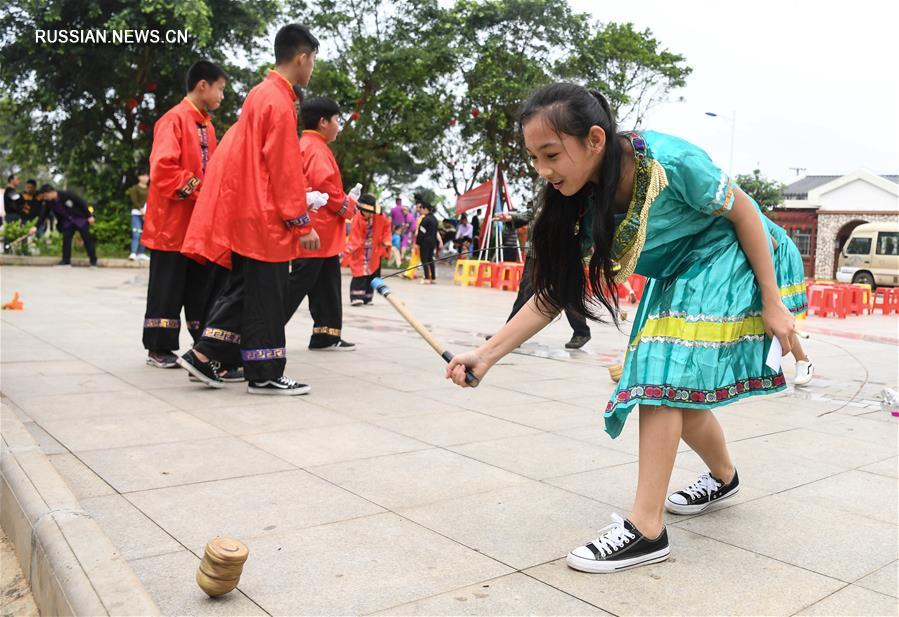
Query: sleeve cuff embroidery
{"x": 299, "y": 221}
{"x": 189, "y": 187}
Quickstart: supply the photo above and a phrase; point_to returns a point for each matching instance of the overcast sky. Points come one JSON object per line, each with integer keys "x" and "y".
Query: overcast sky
{"x": 812, "y": 87}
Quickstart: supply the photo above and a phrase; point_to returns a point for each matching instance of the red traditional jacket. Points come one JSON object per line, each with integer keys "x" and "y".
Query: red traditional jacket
{"x": 254, "y": 199}
{"x": 322, "y": 174}
{"x": 183, "y": 143}
{"x": 363, "y": 259}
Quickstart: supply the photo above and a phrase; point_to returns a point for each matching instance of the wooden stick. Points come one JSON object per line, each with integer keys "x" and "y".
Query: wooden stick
{"x": 381, "y": 287}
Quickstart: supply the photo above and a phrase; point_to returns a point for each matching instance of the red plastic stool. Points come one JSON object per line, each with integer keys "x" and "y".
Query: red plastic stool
{"x": 485, "y": 274}
{"x": 507, "y": 275}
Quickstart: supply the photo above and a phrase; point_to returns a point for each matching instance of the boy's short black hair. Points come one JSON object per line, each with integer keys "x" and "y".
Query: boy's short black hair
{"x": 45, "y": 189}
{"x": 291, "y": 40}
{"x": 203, "y": 70}
{"x": 143, "y": 171}
{"x": 34, "y": 182}
{"x": 316, "y": 108}
{"x": 10, "y": 177}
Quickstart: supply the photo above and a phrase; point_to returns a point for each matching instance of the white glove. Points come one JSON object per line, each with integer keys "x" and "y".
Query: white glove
{"x": 355, "y": 192}
{"x": 315, "y": 200}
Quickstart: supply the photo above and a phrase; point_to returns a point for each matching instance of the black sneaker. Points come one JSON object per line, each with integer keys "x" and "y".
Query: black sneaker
{"x": 282, "y": 385}
{"x": 620, "y": 546}
{"x": 701, "y": 494}
{"x": 577, "y": 342}
{"x": 203, "y": 371}
{"x": 162, "y": 359}
{"x": 228, "y": 375}
{"x": 231, "y": 374}
{"x": 340, "y": 345}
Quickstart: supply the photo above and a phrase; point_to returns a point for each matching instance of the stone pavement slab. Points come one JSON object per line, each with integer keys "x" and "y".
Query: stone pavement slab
{"x": 831, "y": 542}
{"x": 501, "y": 596}
{"x": 702, "y": 577}
{"x": 389, "y": 490}
{"x": 398, "y": 480}
{"x": 359, "y": 566}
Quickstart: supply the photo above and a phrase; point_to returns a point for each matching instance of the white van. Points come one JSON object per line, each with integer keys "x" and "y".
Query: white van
{"x": 871, "y": 255}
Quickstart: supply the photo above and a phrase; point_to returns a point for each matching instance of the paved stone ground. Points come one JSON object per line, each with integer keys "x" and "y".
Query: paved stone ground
{"x": 388, "y": 490}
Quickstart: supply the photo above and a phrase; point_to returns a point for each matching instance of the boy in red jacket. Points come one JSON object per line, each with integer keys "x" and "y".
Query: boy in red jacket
{"x": 183, "y": 143}
{"x": 317, "y": 272}
{"x": 370, "y": 240}
{"x": 251, "y": 217}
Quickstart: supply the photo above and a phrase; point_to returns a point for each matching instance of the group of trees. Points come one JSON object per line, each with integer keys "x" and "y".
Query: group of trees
{"x": 424, "y": 87}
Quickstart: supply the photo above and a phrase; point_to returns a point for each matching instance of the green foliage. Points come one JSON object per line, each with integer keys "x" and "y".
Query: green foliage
{"x": 387, "y": 71}
{"x": 86, "y": 111}
{"x": 767, "y": 193}
{"x": 424, "y": 87}
{"x": 115, "y": 232}
{"x": 16, "y": 242}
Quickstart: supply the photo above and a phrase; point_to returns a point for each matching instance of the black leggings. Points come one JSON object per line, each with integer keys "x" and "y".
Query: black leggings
{"x": 426, "y": 250}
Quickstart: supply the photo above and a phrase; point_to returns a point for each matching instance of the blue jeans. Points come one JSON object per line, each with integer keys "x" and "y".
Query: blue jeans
{"x": 137, "y": 227}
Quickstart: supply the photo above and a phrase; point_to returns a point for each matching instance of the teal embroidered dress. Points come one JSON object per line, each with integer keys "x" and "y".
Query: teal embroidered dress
{"x": 698, "y": 340}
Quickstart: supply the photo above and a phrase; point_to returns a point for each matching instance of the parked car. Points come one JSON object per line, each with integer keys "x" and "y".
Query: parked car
{"x": 871, "y": 255}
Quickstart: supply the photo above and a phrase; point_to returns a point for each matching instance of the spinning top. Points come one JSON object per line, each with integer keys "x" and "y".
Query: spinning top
{"x": 222, "y": 564}
{"x": 615, "y": 372}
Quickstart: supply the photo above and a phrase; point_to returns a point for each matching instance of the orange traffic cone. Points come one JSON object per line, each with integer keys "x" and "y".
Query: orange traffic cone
{"x": 15, "y": 304}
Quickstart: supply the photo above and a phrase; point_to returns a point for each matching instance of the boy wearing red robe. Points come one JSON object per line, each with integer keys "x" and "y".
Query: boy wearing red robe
{"x": 370, "y": 240}
{"x": 251, "y": 217}
{"x": 183, "y": 143}
{"x": 317, "y": 272}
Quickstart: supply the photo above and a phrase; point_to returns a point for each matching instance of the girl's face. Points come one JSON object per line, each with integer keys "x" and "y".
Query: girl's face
{"x": 565, "y": 161}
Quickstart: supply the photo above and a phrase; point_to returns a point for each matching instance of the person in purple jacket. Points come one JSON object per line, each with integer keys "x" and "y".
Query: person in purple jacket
{"x": 72, "y": 214}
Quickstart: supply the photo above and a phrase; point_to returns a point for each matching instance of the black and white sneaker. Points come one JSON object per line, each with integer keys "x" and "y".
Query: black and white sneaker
{"x": 203, "y": 371}
{"x": 162, "y": 359}
{"x": 282, "y": 386}
{"x": 620, "y": 546}
{"x": 702, "y": 494}
{"x": 340, "y": 345}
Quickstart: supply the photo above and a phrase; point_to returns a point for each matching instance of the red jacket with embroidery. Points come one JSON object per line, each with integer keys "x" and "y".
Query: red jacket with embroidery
{"x": 178, "y": 162}
{"x": 253, "y": 201}
{"x": 380, "y": 244}
{"x": 322, "y": 174}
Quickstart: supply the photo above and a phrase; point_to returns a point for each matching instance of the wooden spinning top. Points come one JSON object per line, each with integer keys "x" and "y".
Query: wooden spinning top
{"x": 222, "y": 564}
{"x": 615, "y": 372}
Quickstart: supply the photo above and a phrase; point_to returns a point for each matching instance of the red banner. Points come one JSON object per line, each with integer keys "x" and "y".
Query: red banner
{"x": 475, "y": 198}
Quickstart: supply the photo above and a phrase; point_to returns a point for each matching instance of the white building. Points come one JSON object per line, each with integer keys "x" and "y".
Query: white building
{"x": 820, "y": 212}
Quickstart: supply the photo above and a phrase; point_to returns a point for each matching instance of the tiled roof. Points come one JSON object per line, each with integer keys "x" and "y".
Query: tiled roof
{"x": 801, "y": 188}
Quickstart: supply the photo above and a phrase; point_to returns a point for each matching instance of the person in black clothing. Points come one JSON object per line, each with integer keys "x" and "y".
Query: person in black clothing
{"x": 581, "y": 331}
{"x": 428, "y": 240}
{"x": 12, "y": 201}
{"x": 31, "y": 207}
{"x": 475, "y": 236}
{"x": 72, "y": 214}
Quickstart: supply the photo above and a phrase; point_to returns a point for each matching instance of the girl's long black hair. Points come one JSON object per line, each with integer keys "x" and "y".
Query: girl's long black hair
{"x": 558, "y": 274}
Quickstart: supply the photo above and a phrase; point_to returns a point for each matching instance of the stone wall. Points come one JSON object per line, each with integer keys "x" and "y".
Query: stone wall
{"x": 829, "y": 226}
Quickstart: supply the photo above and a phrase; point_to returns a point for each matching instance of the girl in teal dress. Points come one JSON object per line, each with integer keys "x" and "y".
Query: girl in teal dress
{"x": 656, "y": 205}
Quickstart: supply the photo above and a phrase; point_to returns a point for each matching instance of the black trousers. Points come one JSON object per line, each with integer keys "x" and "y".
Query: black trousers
{"x": 177, "y": 282}
{"x": 246, "y": 323}
{"x": 360, "y": 287}
{"x": 577, "y": 321}
{"x": 426, "y": 251}
{"x": 319, "y": 278}
{"x": 68, "y": 234}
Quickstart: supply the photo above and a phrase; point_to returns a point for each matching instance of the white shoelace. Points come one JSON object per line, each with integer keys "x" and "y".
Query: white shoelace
{"x": 613, "y": 537}
{"x": 285, "y": 381}
{"x": 703, "y": 487}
